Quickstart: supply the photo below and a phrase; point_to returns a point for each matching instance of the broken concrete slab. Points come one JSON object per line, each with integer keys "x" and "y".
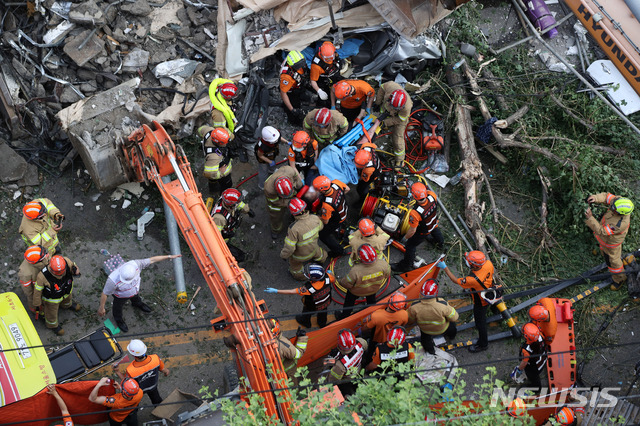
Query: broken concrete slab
{"x": 57, "y": 34}
{"x": 135, "y": 60}
{"x": 178, "y": 69}
{"x": 165, "y": 15}
{"x": 82, "y": 54}
{"x": 15, "y": 169}
{"x": 86, "y": 12}
{"x": 137, "y": 8}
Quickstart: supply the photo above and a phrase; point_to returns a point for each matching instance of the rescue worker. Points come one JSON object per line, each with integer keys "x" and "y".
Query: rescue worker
{"x": 393, "y": 100}
{"x": 433, "y": 315}
{"x": 364, "y": 279}
{"x": 266, "y": 151}
{"x": 35, "y": 259}
{"x": 145, "y": 370}
{"x": 533, "y": 357}
{"x": 293, "y": 78}
{"x": 346, "y": 360}
{"x": 356, "y": 98}
{"x": 66, "y": 416}
{"x": 369, "y": 168}
{"x": 480, "y": 278}
{"x": 611, "y": 231}
{"x": 303, "y": 154}
{"x": 394, "y": 348}
{"x": 222, "y": 92}
{"x": 333, "y": 211}
{"x": 543, "y": 315}
{"x": 380, "y": 322}
{"x": 227, "y": 216}
{"x": 54, "y": 287}
{"x": 41, "y": 222}
{"x": 301, "y": 242}
{"x": 124, "y": 284}
{"x": 289, "y": 352}
{"x": 325, "y": 71}
{"x": 217, "y": 158}
{"x": 279, "y": 189}
{"x": 124, "y": 405}
{"x": 316, "y": 294}
{"x": 571, "y": 416}
{"x": 423, "y": 226}
{"x": 367, "y": 233}
{"x": 325, "y": 125}
{"x": 517, "y": 408}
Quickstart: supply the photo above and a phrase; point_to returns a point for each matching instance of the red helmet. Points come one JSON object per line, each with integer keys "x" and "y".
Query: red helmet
{"x": 396, "y": 336}
{"x": 322, "y": 117}
{"x": 274, "y": 324}
{"x": 57, "y": 265}
{"x": 429, "y": 288}
{"x": 228, "y": 91}
{"x": 367, "y": 254}
{"x": 300, "y": 140}
{"x": 219, "y": 136}
{"x": 531, "y": 332}
{"x": 565, "y": 416}
{"x": 419, "y": 191}
{"x": 327, "y": 52}
{"x": 346, "y": 340}
{"x": 517, "y": 408}
{"x": 297, "y": 206}
{"x": 398, "y": 99}
{"x": 35, "y": 254}
{"x": 362, "y": 158}
{"x": 284, "y": 186}
{"x": 231, "y": 197}
{"x": 367, "y": 227}
{"x": 129, "y": 388}
{"x": 342, "y": 89}
{"x": 34, "y": 210}
{"x": 538, "y": 313}
{"x": 397, "y": 301}
{"x": 475, "y": 258}
{"x": 322, "y": 183}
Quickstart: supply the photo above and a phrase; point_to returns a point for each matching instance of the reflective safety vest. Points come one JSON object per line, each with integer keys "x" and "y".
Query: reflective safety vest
{"x": 58, "y": 288}
{"x": 338, "y": 201}
{"x": 233, "y": 219}
{"x": 269, "y": 150}
{"x": 535, "y": 348}
{"x": 428, "y": 214}
{"x": 305, "y": 158}
{"x": 212, "y": 148}
{"x": 353, "y": 359}
{"x": 321, "y": 297}
{"x": 401, "y": 353}
{"x": 145, "y": 374}
{"x": 330, "y": 70}
{"x": 295, "y": 75}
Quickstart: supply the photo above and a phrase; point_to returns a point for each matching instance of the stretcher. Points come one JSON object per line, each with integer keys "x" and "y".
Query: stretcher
{"x": 355, "y": 134}
{"x": 561, "y": 364}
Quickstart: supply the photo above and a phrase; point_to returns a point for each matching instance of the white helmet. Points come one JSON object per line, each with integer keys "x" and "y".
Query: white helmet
{"x": 270, "y": 134}
{"x": 137, "y": 348}
{"x": 128, "y": 271}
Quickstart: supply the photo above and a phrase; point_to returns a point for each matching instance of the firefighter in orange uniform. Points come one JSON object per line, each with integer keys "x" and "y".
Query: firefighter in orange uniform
{"x": 611, "y": 231}
{"x": 393, "y": 100}
{"x": 124, "y": 405}
{"x": 333, "y": 211}
{"x": 543, "y": 314}
{"x": 356, "y": 98}
{"x": 66, "y": 416}
{"x": 380, "y": 322}
{"x": 292, "y": 81}
{"x": 480, "y": 278}
{"x": 423, "y": 222}
{"x": 325, "y": 71}
{"x": 303, "y": 155}
{"x": 145, "y": 370}
{"x": 369, "y": 168}
{"x": 395, "y": 347}
{"x": 533, "y": 357}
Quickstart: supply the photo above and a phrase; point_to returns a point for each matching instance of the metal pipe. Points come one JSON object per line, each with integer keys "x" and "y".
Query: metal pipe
{"x": 455, "y": 225}
{"x": 519, "y": 42}
{"x": 577, "y": 74}
{"x": 465, "y": 226}
{"x": 174, "y": 247}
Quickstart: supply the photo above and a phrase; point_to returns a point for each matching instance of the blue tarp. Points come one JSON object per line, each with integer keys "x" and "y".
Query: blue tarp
{"x": 350, "y": 47}
{"x": 338, "y": 163}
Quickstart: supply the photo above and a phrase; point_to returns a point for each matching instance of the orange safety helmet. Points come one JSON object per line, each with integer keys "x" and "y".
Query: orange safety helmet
{"x": 517, "y": 408}
{"x": 531, "y": 332}
{"x": 322, "y": 183}
{"x": 342, "y": 89}
{"x": 429, "y": 288}
{"x": 34, "y": 210}
{"x": 274, "y": 324}
{"x": 327, "y": 52}
{"x": 566, "y": 416}
{"x": 322, "y": 117}
{"x": 58, "y": 265}
{"x": 397, "y": 301}
{"x": 300, "y": 140}
{"x": 346, "y": 340}
{"x": 538, "y": 313}
{"x": 398, "y": 99}
{"x": 228, "y": 91}
{"x": 284, "y": 186}
{"x": 475, "y": 258}
{"x": 396, "y": 336}
{"x": 297, "y": 206}
{"x": 367, "y": 254}
{"x": 230, "y": 197}
{"x": 419, "y": 191}
{"x": 362, "y": 158}
{"x": 35, "y": 254}
{"x": 367, "y": 227}
{"x": 129, "y": 388}
{"x": 220, "y": 136}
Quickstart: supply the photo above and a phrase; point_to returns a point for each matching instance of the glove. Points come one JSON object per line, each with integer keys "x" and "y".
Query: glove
{"x": 368, "y": 110}
{"x": 300, "y": 332}
{"x": 273, "y": 163}
{"x": 516, "y": 375}
{"x": 441, "y": 264}
{"x": 270, "y": 290}
{"x": 333, "y": 107}
{"x": 251, "y": 213}
{"x": 323, "y": 95}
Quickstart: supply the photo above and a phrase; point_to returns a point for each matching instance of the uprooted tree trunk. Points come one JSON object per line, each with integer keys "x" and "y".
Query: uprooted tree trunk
{"x": 471, "y": 165}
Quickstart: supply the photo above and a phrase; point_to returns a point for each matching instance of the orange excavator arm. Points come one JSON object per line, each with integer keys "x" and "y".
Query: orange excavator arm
{"x": 150, "y": 155}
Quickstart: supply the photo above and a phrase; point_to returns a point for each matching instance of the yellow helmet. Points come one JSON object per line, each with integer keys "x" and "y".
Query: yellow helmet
{"x": 295, "y": 59}
{"x": 622, "y": 205}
